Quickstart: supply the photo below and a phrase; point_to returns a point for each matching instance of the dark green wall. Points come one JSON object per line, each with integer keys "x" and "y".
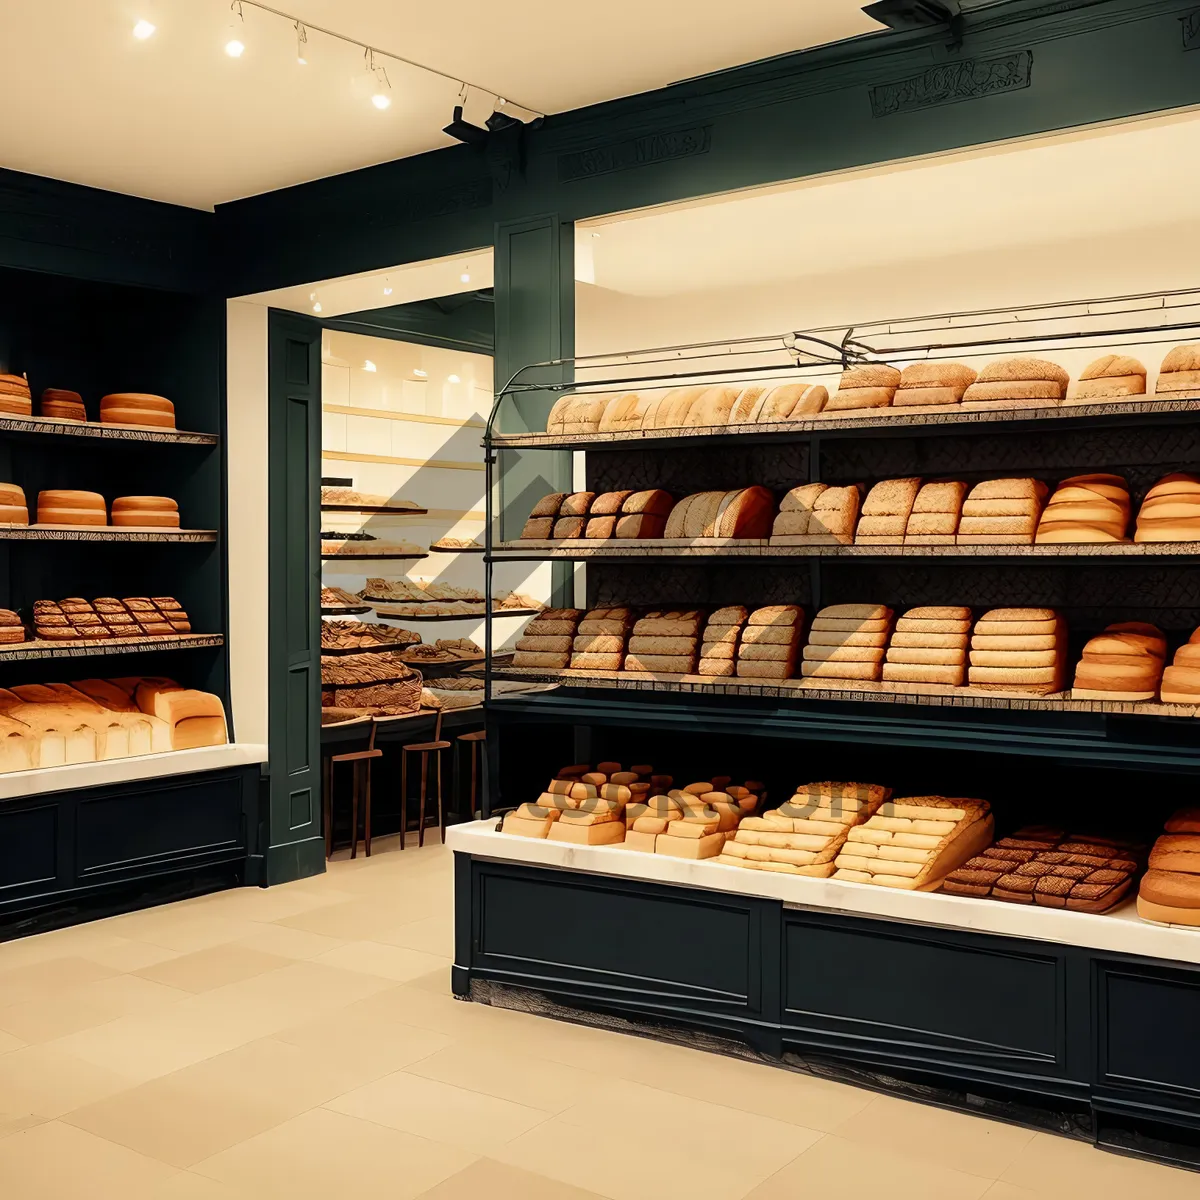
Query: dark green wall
{"x": 462, "y": 322}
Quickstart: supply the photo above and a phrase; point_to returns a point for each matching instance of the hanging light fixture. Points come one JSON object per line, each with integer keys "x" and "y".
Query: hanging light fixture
{"x": 234, "y": 46}
{"x": 381, "y": 95}
{"x": 301, "y": 44}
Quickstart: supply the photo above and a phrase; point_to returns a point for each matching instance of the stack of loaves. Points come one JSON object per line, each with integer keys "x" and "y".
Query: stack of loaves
{"x": 914, "y": 843}
{"x": 929, "y": 646}
{"x": 848, "y": 641}
{"x": 600, "y": 640}
{"x": 933, "y": 383}
{"x": 13, "y": 507}
{"x": 817, "y": 515}
{"x": 770, "y": 642}
{"x": 62, "y": 405}
{"x": 886, "y": 512}
{"x": 936, "y": 513}
{"x": 743, "y": 513}
{"x": 1002, "y": 512}
{"x": 1179, "y": 375}
{"x": 548, "y": 639}
{"x": 581, "y": 805}
{"x": 1018, "y": 383}
{"x": 665, "y": 642}
{"x": 762, "y": 404}
{"x": 689, "y": 822}
{"x": 1113, "y": 377}
{"x": 1019, "y": 650}
{"x": 805, "y": 835}
{"x": 1181, "y": 681}
{"x": 66, "y": 507}
{"x": 1171, "y": 510}
{"x": 145, "y": 512}
{"x": 12, "y": 628}
{"x": 722, "y": 637}
{"x": 15, "y": 400}
{"x": 137, "y": 408}
{"x": 1124, "y": 663}
{"x": 599, "y": 517}
{"x": 1086, "y": 508}
{"x": 1170, "y": 889}
{"x": 869, "y": 385}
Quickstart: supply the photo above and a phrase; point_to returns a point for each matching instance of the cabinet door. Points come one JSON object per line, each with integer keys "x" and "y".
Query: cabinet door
{"x": 294, "y": 846}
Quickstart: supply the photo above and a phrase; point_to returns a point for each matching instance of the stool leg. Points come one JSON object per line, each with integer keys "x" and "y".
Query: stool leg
{"x": 441, "y": 805}
{"x": 354, "y": 814}
{"x": 421, "y": 815}
{"x": 403, "y": 797}
{"x": 327, "y": 804}
{"x": 367, "y": 806}
{"x": 474, "y": 769}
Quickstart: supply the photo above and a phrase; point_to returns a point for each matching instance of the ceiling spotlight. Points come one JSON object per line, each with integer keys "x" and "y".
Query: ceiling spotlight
{"x": 143, "y": 30}
{"x": 387, "y": 291}
{"x": 913, "y": 14}
{"x": 453, "y": 379}
{"x": 382, "y": 94}
{"x": 465, "y": 277}
{"x": 420, "y": 374}
{"x": 301, "y": 44}
{"x": 368, "y": 365}
{"x": 235, "y": 47}
{"x": 464, "y": 131}
{"x": 317, "y": 307}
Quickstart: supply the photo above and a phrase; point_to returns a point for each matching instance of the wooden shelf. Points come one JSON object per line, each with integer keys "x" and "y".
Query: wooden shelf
{"x": 382, "y": 607}
{"x": 457, "y": 549}
{"x": 356, "y": 610}
{"x": 372, "y": 509}
{"x": 353, "y": 558}
{"x": 103, "y": 533}
{"x": 47, "y": 426}
{"x": 91, "y": 648}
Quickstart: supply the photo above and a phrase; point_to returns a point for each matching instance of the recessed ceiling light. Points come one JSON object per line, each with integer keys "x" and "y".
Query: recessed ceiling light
{"x": 368, "y": 365}
{"x": 234, "y": 48}
{"x": 317, "y": 307}
{"x": 143, "y": 30}
{"x": 453, "y": 379}
{"x": 387, "y": 291}
{"x": 420, "y": 374}
{"x": 595, "y": 235}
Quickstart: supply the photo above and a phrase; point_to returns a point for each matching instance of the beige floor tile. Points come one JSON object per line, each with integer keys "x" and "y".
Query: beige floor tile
{"x": 186, "y": 932}
{"x": 126, "y": 954}
{"x": 355, "y": 920}
{"x": 1057, "y": 1166}
{"x": 445, "y": 1014}
{"x": 58, "y": 1162}
{"x": 296, "y": 944}
{"x": 479, "y": 1066}
{"x": 20, "y": 984}
{"x": 837, "y": 1169}
{"x": 386, "y": 1045}
{"x": 389, "y": 962}
{"x": 324, "y": 1154}
{"x": 610, "y": 1160}
{"x": 432, "y": 935}
{"x": 486, "y": 1178}
{"x": 271, "y": 904}
{"x": 947, "y": 1139}
{"x": 11, "y": 1123}
{"x": 440, "y": 1112}
{"x": 47, "y": 1081}
{"x": 85, "y": 1007}
{"x": 1009, "y": 1191}
{"x": 214, "y": 967}
{"x": 9, "y": 1042}
{"x": 187, "y": 1185}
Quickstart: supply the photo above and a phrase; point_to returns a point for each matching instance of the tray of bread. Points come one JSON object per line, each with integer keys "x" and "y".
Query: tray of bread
{"x": 443, "y": 657}
{"x": 348, "y": 500}
{"x": 449, "y": 545}
{"x": 76, "y": 619}
{"x": 418, "y": 591}
{"x": 357, "y": 637}
{"x": 337, "y": 601}
{"x": 364, "y": 545}
{"x": 383, "y": 684}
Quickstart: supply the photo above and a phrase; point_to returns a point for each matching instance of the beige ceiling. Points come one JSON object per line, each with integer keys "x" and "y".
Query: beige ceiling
{"x": 174, "y": 118}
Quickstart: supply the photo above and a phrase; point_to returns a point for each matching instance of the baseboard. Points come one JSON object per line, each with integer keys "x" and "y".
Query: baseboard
{"x": 295, "y": 860}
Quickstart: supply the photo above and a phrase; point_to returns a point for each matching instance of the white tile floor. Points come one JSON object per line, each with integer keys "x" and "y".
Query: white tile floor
{"x": 302, "y": 1042}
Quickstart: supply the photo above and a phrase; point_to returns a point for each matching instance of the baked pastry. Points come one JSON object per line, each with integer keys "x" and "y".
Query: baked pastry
{"x": 914, "y": 843}
{"x": 868, "y": 385}
{"x": 1019, "y": 650}
{"x": 885, "y": 512}
{"x": 929, "y": 645}
{"x": 62, "y": 406}
{"x": 719, "y": 646}
{"x": 805, "y": 835}
{"x": 1179, "y": 375}
{"x": 1018, "y": 383}
{"x": 137, "y": 408}
{"x": 1123, "y": 663}
{"x": 71, "y": 508}
{"x": 1181, "y": 680}
{"x": 1086, "y": 508}
{"x": 12, "y": 628}
{"x": 1171, "y": 510}
{"x": 848, "y": 641}
{"x": 1002, "y": 512}
{"x": 936, "y": 513}
{"x": 346, "y": 497}
{"x": 13, "y": 507}
{"x": 1170, "y": 890}
{"x": 1113, "y": 377}
{"x": 147, "y": 511}
{"x": 15, "y": 400}
{"x": 933, "y": 383}
{"x": 770, "y": 643}
{"x": 791, "y": 402}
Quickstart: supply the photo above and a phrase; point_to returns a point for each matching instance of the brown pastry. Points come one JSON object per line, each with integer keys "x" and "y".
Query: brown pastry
{"x": 62, "y": 405}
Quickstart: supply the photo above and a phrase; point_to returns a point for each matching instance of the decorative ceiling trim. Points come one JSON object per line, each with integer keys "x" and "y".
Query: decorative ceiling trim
{"x": 954, "y": 82}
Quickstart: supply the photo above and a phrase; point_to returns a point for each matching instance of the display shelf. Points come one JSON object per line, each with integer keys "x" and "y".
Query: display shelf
{"x": 1119, "y": 932}
{"x": 383, "y": 610}
{"x": 355, "y": 610}
{"x": 91, "y": 648}
{"x": 353, "y": 558}
{"x": 457, "y": 549}
{"x": 374, "y": 509}
{"x": 17, "y": 784}
{"x": 1025, "y": 726}
{"x": 104, "y": 533}
{"x": 49, "y": 427}
{"x": 380, "y": 648}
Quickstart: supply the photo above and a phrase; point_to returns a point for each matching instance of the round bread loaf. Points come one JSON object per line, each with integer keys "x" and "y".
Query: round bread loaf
{"x": 1112, "y": 366}
{"x": 65, "y": 507}
{"x": 870, "y": 375}
{"x": 1024, "y": 370}
{"x": 749, "y": 404}
{"x": 937, "y": 375}
{"x": 793, "y": 401}
{"x": 1171, "y": 888}
{"x": 158, "y": 511}
{"x": 1182, "y": 358}
{"x": 1186, "y": 820}
{"x": 1188, "y": 655}
{"x": 1178, "y": 483}
{"x": 863, "y": 397}
{"x": 855, "y": 612}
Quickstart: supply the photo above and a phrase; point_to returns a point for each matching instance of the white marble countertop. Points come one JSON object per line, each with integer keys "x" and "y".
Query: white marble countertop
{"x": 1120, "y": 932}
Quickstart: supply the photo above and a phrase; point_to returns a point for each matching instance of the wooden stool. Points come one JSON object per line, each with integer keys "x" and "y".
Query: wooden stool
{"x": 424, "y": 749}
{"x": 360, "y": 790}
{"x": 474, "y": 743}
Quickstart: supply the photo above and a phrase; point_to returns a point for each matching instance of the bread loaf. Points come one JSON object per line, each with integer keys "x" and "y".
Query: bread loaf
{"x": 673, "y": 409}
{"x": 145, "y": 511}
{"x": 608, "y": 504}
{"x": 656, "y": 664}
{"x": 600, "y": 529}
{"x": 624, "y": 412}
{"x": 137, "y": 408}
{"x": 62, "y": 405}
{"x": 641, "y": 525}
{"x": 864, "y": 397}
{"x": 71, "y": 508}
{"x": 13, "y": 507}
{"x": 569, "y": 527}
{"x": 654, "y": 502}
{"x": 747, "y": 513}
{"x": 793, "y": 402}
{"x": 548, "y": 506}
{"x": 539, "y": 528}
{"x": 713, "y": 406}
{"x": 749, "y": 405}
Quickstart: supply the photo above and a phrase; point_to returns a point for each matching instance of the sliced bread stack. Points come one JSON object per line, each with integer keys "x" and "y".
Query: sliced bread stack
{"x": 707, "y": 815}
{"x": 603, "y": 515}
{"x": 600, "y": 640}
{"x": 1086, "y": 508}
{"x": 770, "y": 642}
{"x": 914, "y": 843}
{"x": 930, "y": 645}
{"x": 722, "y": 637}
{"x": 805, "y": 835}
{"x": 817, "y": 515}
{"x": 577, "y": 412}
{"x": 548, "y": 639}
{"x": 1018, "y": 383}
{"x": 886, "y": 511}
{"x": 1170, "y": 890}
{"x": 1179, "y": 375}
{"x": 869, "y": 385}
{"x": 665, "y": 642}
{"x": 742, "y": 513}
{"x": 936, "y": 514}
{"x": 580, "y": 805}
{"x": 1171, "y": 510}
{"x": 1124, "y": 663}
{"x": 1181, "y": 680}
{"x": 848, "y": 641}
{"x": 15, "y": 399}
{"x": 1019, "y": 650}
{"x": 1002, "y": 512}
{"x": 1113, "y": 377}
{"x": 933, "y": 383}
